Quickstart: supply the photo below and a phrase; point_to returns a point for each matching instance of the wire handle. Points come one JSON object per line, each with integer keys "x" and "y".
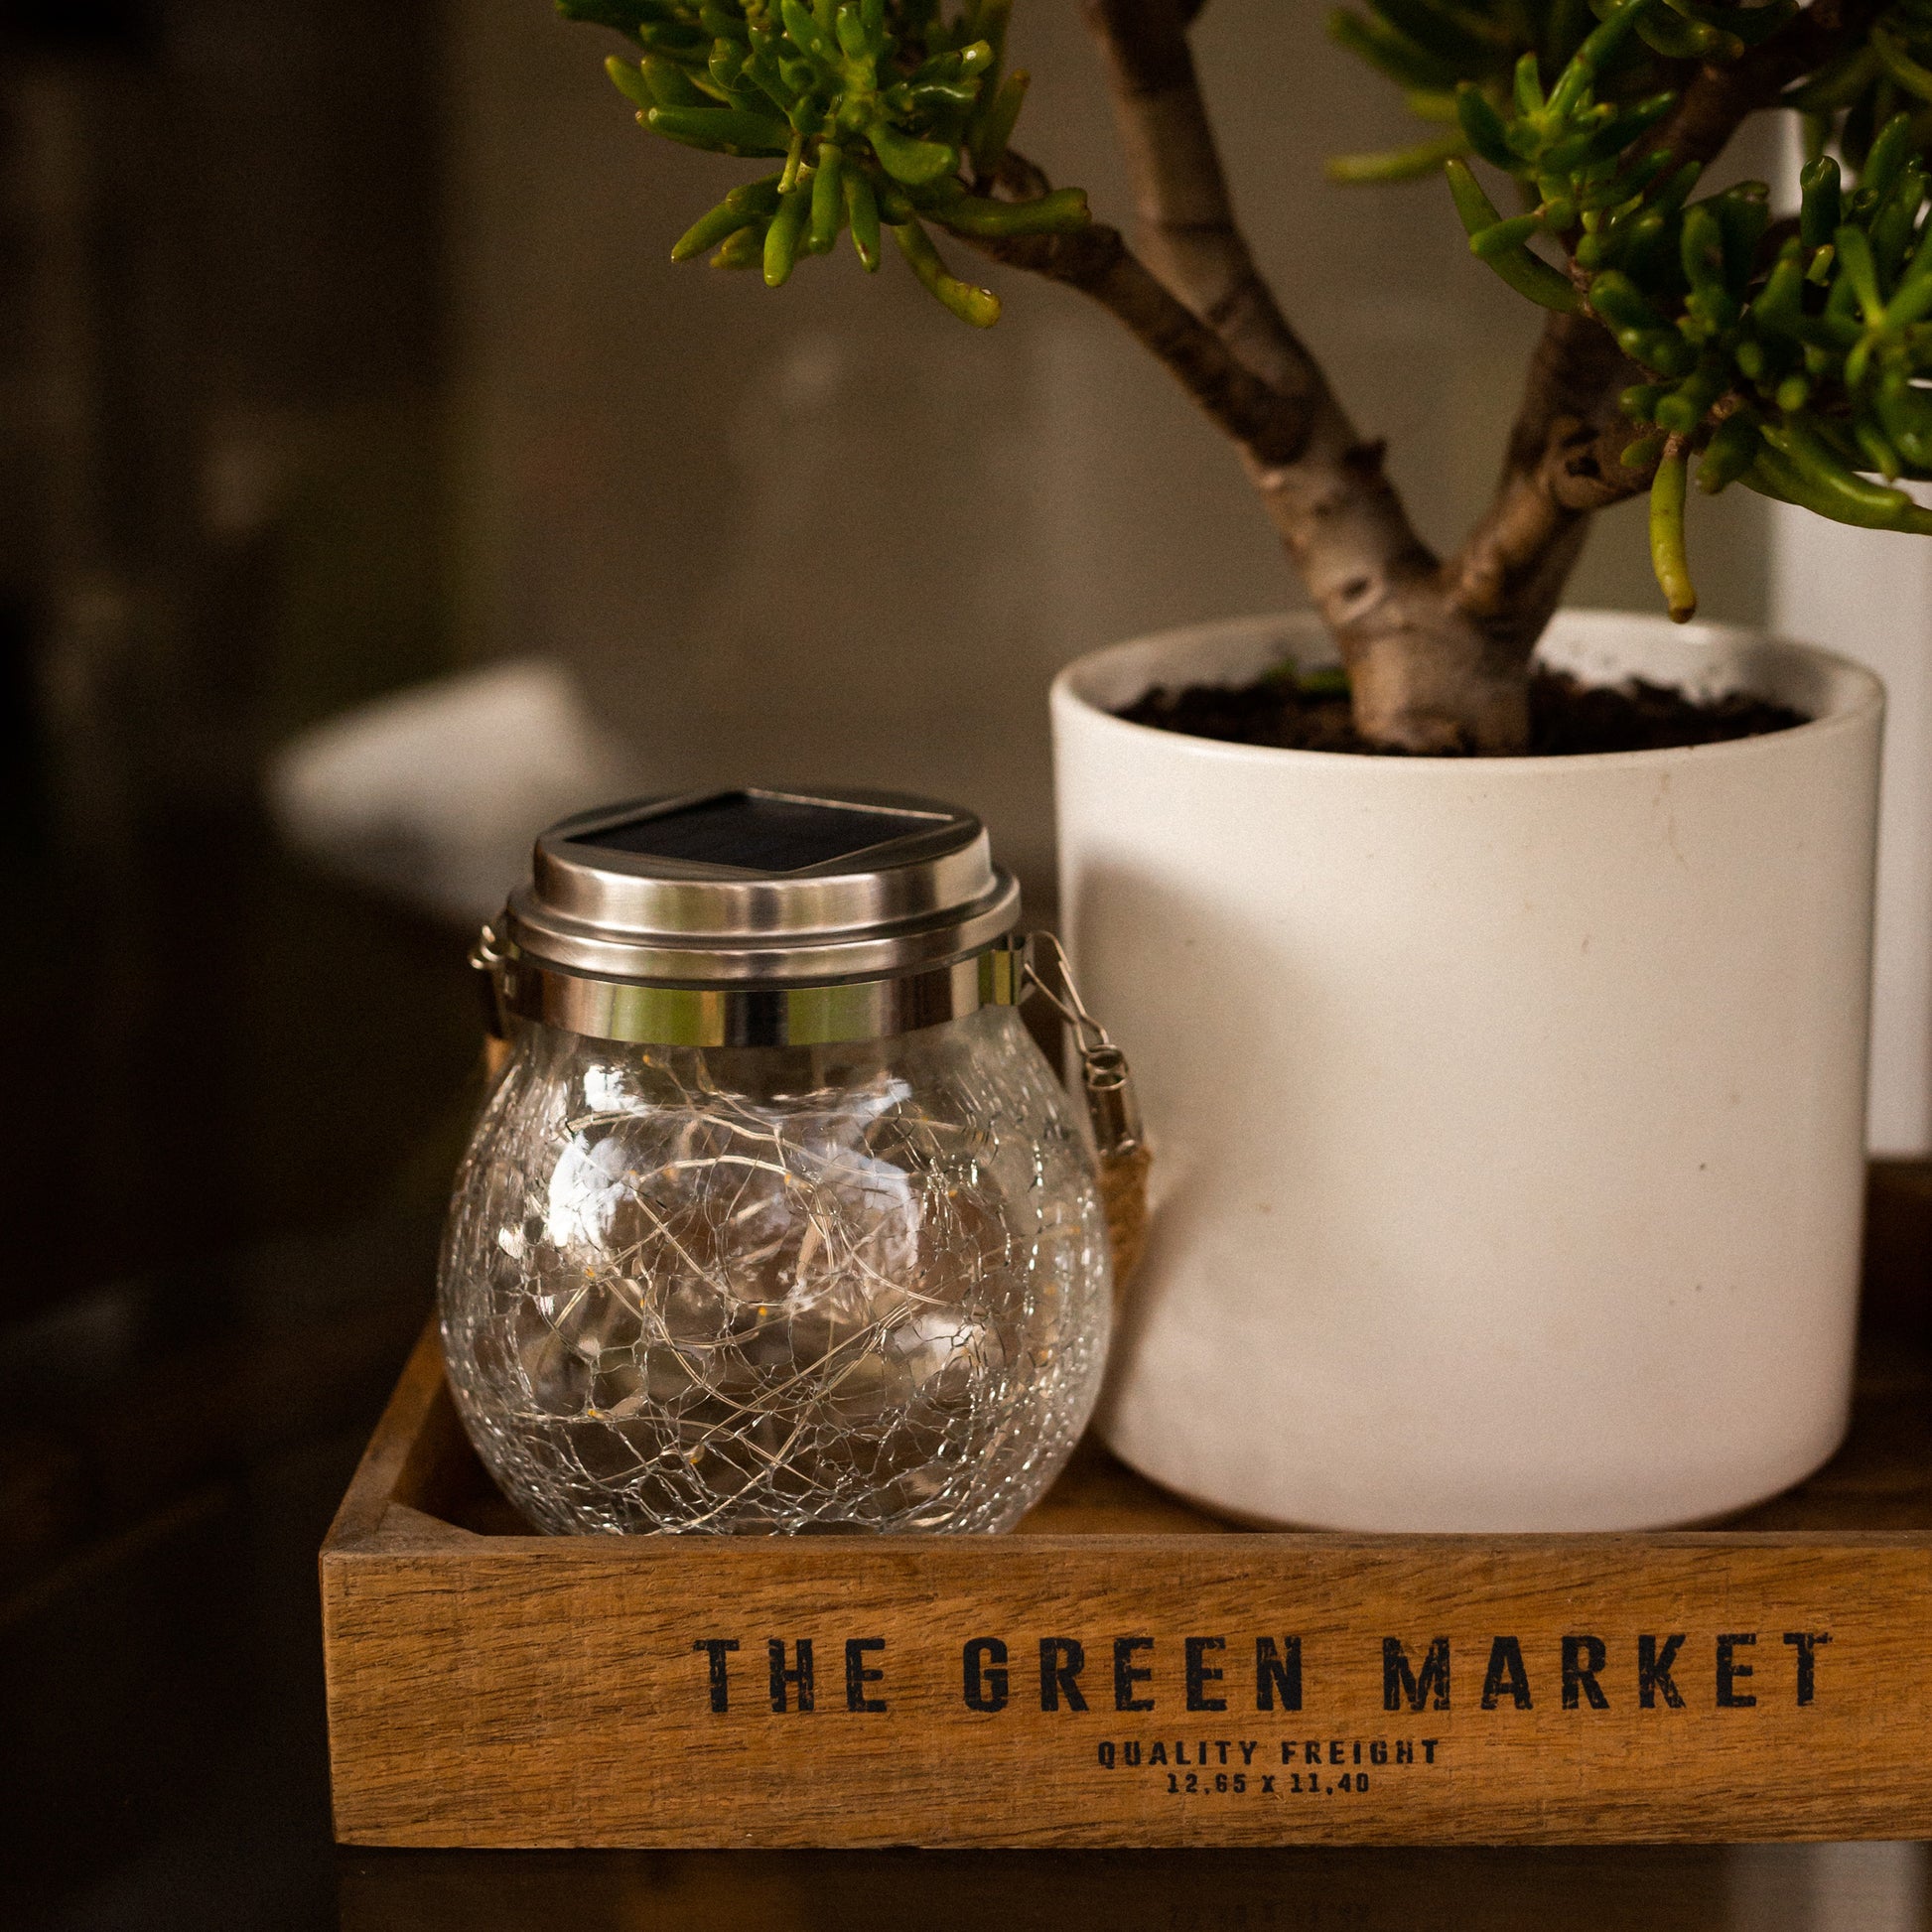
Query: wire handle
{"x": 1112, "y": 1105}
{"x": 1113, "y": 1109}
{"x": 486, "y": 960}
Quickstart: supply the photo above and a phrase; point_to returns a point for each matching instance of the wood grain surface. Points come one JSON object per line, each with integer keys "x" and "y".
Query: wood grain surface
{"x": 490, "y": 1687}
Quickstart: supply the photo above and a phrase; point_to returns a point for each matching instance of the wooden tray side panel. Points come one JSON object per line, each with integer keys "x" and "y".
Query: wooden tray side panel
{"x": 533, "y": 1692}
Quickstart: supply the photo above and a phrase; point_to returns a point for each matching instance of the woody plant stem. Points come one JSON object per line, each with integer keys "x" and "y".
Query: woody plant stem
{"x": 1436, "y": 650}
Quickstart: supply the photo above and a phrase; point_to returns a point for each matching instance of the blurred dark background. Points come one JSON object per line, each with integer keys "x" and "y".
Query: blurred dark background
{"x": 226, "y": 494}
{"x": 339, "y": 355}
{"x": 235, "y": 1083}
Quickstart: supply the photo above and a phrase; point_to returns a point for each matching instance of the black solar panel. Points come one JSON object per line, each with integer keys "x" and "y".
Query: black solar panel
{"x": 756, "y": 832}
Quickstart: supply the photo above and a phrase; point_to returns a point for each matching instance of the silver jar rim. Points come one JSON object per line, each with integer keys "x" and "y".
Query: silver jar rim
{"x": 648, "y": 1014}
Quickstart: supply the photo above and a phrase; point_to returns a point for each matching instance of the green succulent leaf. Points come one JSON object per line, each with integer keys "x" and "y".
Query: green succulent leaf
{"x": 1391, "y": 52}
{"x": 626, "y": 16}
{"x": 1398, "y": 164}
{"x": 883, "y": 111}
{"x": 1667, "y": 551}
{"x": 724, "y": 130}
{"x": 980, "y": 307}
{"x": 1062, "y": 212}
{"x": 917, "y": 163}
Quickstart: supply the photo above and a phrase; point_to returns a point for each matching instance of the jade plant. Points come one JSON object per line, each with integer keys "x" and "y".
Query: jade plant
{"x": 1705, "y": 338}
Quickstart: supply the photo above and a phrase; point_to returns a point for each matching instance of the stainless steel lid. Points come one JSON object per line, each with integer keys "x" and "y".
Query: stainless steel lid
{"x": 723, "y": 887}
{"x": 758, "y": 915}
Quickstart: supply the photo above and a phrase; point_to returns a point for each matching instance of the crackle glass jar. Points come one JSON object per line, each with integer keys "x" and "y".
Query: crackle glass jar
{"x": 776, "y": 1219}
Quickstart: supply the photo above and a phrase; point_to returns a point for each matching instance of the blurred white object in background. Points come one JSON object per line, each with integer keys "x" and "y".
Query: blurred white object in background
{"x": 435, "y": 794}
{"x": 1869, "y": 594}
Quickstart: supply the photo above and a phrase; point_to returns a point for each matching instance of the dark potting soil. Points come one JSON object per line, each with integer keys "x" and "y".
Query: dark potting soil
{"x": 1566, "y": 716}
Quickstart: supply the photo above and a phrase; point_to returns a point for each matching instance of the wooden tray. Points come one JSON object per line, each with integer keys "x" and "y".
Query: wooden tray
{"x": 1143, "y": 1674}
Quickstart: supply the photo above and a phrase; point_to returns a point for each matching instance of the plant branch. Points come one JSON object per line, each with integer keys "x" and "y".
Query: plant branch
{"x": 1376, "y": 582}
{"x": 1557, "y": 469}
{"x": 1269, "y": 427}
{"x": 1181, "y": 192}
{"x": 1563, "y": 461}
{"x": 1421, "y": 676}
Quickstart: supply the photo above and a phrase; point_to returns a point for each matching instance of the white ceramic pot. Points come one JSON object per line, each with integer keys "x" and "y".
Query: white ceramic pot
{"x": 1509, "y": 1113}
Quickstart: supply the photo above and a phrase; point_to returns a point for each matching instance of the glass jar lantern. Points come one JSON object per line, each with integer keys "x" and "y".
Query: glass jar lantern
{"x": 776, "y": 1219}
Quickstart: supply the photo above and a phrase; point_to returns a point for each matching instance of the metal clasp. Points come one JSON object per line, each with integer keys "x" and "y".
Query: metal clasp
{"x": 489, "y": 964}
{"x": 1112, "y": 1106}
